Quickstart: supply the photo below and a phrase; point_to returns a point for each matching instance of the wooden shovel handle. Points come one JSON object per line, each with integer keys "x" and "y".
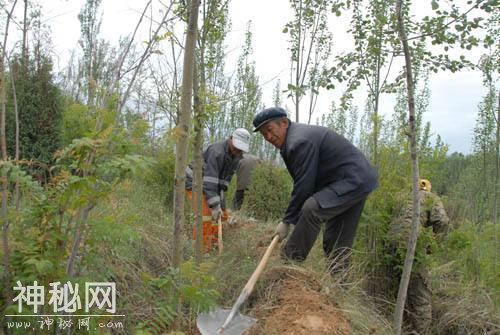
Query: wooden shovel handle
{"x": 263, "y": 262}
{"x": 219, "y": 238}
{"x": 250, "y": 284}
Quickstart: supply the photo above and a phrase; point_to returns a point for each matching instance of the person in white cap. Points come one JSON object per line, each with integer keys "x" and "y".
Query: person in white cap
{"x": 220, "y": 163}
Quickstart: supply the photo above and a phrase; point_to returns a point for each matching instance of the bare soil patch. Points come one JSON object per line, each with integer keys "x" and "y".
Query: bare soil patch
{"x": 294, "y": 304}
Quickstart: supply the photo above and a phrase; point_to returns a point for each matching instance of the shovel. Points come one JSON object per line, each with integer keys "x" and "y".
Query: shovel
{"x": 231, "y": 322}
{"x": 219, "y": 228}
{"x": 219, "y": 237}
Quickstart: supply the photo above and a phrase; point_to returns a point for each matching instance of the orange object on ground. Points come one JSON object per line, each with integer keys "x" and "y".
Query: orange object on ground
{"x": 210, "y": 228}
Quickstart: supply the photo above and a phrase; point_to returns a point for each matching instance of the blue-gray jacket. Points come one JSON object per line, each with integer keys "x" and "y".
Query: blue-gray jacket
{"x": 325, "y": 165}
{"x": 219, "y": 167}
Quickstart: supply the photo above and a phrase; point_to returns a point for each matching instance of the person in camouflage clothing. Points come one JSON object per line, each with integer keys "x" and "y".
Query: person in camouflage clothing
{"x": 434, "y": 223}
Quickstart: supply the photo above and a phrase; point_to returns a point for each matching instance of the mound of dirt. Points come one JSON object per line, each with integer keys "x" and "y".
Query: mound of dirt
{"x": 299, "y": 306}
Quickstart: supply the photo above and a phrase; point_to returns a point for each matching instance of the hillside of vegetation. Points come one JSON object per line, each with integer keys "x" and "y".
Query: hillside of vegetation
{"x": 89, "y": 151}
{"x": 128, "y": 240}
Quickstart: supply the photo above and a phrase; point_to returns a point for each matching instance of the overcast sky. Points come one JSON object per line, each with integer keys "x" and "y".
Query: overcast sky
{"x": 454, "y": 97}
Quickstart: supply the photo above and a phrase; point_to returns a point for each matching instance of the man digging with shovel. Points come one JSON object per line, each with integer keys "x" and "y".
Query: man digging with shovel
{"x": 332, "y": 180}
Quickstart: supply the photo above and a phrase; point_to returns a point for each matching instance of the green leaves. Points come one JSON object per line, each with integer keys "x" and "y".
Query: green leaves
{"x": 163, "y": 317}
{"x": 165, "y": 36}
{"x": 382, "y": 19}
{"x": 192, "y": 284}
{"x": 15, "y": 174}
{"x": 42, "y": 267}
{"x": 297, "y": 91}
{"x": 122, "y": 167}
{"x": 434, "y": 5}
{"x": 268, "y": 193}
{"x": 40, "y": 110}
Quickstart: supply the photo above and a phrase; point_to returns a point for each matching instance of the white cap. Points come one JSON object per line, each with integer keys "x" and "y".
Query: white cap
{"x": 241, "y": 139}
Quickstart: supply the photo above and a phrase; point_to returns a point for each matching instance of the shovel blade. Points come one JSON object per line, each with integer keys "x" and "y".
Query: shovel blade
{"x": 210, "y": 323}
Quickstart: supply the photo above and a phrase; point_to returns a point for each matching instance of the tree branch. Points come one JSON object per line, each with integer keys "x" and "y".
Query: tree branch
{"x": 144, "y": 56}
{"x": 446, "y": 25}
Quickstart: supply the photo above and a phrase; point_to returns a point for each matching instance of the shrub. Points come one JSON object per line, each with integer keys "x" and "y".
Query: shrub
{"x": 465, "y": 284}
{"x": 76, "y": 123}
{"x": 269, "y": 192}
{"x": 161, "y": 175}
{"x": 473, "y": 250}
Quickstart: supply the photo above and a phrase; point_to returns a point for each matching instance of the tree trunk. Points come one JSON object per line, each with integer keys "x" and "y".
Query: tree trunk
{"x": 182, "y": 130}
{"x": 173, "y": 117}
{"x": 298, "y": 69}
{"x": 3, "y": 47}
{"x": 199, "y": 106}
{"x": 16, "y": 115}
{"x": 412, "y": 242}
{"x": 378, "y": 88}
{"x": 77, "y": 240}
{"x": 376, "y": 127}
{"x": 153, "y": 129}
{"x": 497, "y": 163}
{"x": 25, "y": 39}
{"x": 4, "y": 180}
{"x": 3, "y": 137}
{"x": 373, "y": 236}
{"x": 91, "y": 85}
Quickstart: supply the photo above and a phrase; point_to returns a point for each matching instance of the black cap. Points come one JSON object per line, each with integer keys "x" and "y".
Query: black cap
{"x": 267, "y": 115}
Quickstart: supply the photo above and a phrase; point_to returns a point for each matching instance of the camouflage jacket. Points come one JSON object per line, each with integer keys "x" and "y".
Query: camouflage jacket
{"x": 432, "y": 215}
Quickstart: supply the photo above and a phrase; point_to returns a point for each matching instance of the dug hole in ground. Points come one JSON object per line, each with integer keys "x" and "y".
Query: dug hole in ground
{"x": 289, "y": 299}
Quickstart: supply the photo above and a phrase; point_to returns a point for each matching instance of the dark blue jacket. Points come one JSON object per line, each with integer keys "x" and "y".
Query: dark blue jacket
{"x": 325, "y": 165}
